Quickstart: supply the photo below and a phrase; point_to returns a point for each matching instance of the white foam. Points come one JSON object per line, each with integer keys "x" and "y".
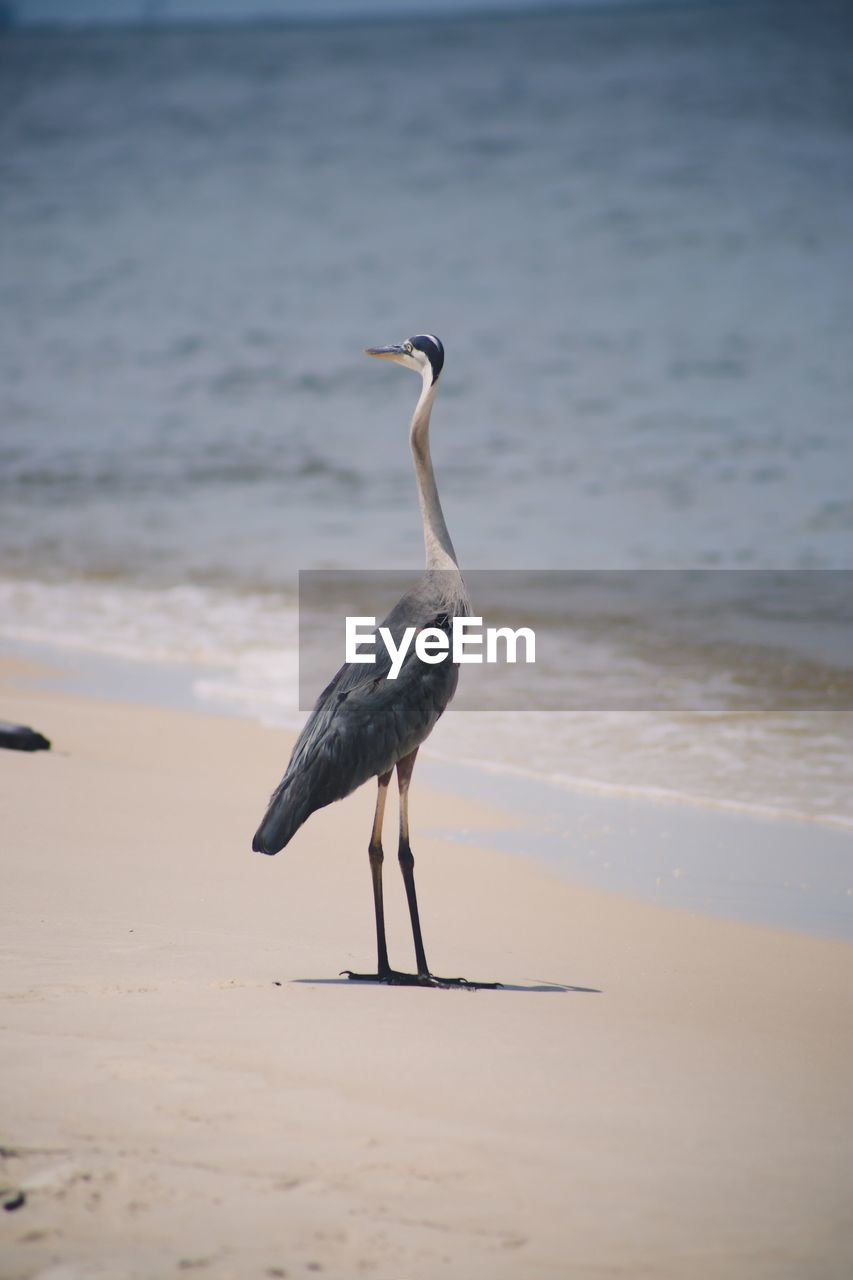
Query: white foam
{"x": 244, "y": 650}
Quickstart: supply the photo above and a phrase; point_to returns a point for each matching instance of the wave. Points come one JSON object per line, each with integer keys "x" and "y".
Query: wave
{"x": 656, "y": 794}
{"x": 242, "y": 651}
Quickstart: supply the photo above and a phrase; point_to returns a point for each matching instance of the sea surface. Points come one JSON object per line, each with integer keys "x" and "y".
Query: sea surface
{"x": 632, "y": 229}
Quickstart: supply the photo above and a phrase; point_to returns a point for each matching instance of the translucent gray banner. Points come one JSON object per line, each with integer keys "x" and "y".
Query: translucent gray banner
{"x": 712, "y": 641}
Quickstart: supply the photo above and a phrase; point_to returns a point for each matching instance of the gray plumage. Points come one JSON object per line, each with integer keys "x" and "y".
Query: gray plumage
{"x": 362, "y": 722}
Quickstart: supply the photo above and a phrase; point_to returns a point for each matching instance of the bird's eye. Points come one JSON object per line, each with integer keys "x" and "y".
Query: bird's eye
{"x": 408, "y": 348}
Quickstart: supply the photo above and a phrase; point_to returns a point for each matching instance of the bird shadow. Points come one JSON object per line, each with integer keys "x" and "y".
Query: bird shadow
{"x": 560, "y": 988}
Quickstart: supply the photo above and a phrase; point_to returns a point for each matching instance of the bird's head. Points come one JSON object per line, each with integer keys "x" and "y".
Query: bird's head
{"x": 423, "y": 353}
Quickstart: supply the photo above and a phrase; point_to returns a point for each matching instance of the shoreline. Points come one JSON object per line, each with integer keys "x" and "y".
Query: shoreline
{"x": 192, "y": 645}
{"x": 784, "y": 872}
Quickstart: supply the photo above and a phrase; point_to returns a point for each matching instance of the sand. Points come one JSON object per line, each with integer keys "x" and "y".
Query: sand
{"x": 190, "y": 1088}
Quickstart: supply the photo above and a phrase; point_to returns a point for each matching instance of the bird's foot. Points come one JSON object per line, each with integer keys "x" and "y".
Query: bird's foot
{"x": 463, "y": 982}
{"x": 393, "y": 978}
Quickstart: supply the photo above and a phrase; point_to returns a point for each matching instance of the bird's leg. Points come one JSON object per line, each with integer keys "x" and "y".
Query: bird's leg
{"x": 377, "y": 857}
{"x": 405, "y": 768}
{"x": 384, "y": 973}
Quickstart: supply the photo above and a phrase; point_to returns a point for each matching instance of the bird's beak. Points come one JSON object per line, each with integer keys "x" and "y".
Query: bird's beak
{"x": 386, "y": 353}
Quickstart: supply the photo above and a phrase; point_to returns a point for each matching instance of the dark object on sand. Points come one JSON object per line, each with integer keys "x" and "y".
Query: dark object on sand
{"x": 20, "y": 737}
{"x": 16, "y": 1200}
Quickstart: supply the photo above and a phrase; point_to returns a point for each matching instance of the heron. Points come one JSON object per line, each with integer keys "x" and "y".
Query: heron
{"x": 365, "y": 725}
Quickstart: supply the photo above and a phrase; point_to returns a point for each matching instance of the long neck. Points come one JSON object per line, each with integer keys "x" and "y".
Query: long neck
{"x": 437, "y": 544}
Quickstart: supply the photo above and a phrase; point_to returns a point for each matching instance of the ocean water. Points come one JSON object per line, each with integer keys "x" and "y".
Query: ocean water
{"x": 632, "y": 229}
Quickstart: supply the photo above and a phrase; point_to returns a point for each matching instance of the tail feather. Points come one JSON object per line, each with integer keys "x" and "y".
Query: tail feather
{"x": 288, "y": 808}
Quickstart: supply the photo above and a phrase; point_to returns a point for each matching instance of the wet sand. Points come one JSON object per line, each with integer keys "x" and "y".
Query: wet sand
{"x": 188, "y": 1087}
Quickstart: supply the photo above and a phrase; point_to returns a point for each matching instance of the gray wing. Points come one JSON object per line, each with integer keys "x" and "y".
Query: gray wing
{"x": 361, "y": 725}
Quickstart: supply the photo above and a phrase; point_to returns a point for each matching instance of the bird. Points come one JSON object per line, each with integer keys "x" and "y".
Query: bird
{"x": 365, "y": 725}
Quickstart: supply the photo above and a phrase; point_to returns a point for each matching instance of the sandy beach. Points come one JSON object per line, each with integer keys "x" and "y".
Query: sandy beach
{"x": 189, "y": 1087}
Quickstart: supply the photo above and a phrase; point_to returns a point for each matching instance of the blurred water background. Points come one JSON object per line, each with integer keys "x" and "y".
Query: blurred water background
{"x": 632, "y": 228}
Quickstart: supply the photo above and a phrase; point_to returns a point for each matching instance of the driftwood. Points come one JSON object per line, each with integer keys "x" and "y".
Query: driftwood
{"x": 20, "y": 737}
